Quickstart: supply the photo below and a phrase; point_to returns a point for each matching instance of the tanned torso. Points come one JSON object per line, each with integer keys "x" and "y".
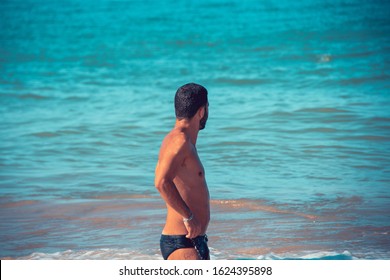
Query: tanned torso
{"x": 179, "y": 163}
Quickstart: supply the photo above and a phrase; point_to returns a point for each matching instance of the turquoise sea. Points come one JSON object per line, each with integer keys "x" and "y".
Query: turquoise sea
{"x": 296, "y": 149}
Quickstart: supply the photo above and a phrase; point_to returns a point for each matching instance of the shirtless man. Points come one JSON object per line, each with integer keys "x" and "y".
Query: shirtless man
{"x": 180, "y": 179}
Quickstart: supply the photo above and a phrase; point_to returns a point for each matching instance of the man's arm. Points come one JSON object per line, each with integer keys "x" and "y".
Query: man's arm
{"x": 170, "y": 159}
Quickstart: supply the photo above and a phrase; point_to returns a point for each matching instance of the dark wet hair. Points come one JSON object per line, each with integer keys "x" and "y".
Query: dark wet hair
{"x": 188, "y": 99}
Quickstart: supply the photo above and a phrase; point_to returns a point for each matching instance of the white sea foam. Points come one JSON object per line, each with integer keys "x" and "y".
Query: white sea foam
{"x": 126, "y": 254}
{"x": 98, "y": 254}
{"x": 322, "y": 255}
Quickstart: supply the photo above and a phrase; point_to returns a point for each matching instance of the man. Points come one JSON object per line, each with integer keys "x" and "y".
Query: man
{"x": 180, "y": 179}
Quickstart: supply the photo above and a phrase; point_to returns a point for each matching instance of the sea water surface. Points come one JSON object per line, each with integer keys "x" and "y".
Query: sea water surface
{"x": 296, "y": 149}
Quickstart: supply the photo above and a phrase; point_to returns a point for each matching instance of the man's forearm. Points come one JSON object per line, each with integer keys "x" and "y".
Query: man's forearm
{"x": 172, "y": 197}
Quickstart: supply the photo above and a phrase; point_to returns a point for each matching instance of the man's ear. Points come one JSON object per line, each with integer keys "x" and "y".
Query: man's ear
{"x": 201, "y": 111}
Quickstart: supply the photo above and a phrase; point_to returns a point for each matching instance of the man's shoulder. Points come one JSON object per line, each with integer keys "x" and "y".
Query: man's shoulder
{"x": 177, "y": 140}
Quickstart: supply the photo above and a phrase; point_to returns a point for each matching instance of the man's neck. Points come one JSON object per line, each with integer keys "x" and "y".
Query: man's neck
{"x": 190, "y": 129}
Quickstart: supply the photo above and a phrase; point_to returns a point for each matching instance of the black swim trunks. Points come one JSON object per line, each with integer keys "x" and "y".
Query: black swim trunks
{"x": 170, "y": 243}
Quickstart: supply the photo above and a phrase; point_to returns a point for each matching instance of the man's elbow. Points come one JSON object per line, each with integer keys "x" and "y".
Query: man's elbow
{"x": 161, "y": 184}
